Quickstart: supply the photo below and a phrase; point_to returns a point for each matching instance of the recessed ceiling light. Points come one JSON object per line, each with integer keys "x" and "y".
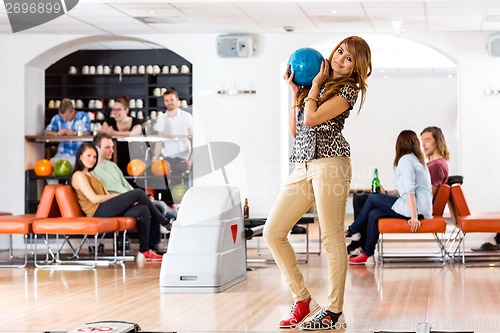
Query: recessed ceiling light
{"x": 152, "y": 12}
{"x": 163, "y": 19}
{"x": 333, "y": 11}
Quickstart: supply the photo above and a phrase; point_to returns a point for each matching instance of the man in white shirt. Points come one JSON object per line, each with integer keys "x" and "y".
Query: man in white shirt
{"x": 176, "y": 126}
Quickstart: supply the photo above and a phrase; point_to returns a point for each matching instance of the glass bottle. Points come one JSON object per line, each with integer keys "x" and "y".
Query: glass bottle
{"x": 375, "y": 182}
{"x": 246, "y": 209}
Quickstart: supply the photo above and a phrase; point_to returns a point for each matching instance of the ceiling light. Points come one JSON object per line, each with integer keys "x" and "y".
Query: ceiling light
{"x": 333, "y": 11}
{"x": 163, "y": 19}
{"x": 396, "y": 25}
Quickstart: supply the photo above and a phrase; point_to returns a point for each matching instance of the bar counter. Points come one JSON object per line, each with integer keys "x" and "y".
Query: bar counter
{"x": 89, "y": 138}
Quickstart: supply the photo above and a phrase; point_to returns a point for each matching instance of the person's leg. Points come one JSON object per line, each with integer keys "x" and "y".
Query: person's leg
{"x": 177, "y": 165}
{"x": 358, "y": 201}
{"x": 331, "y": 180}
{"x": 119, "y": 204}
{"x": 141, "y": 213}
{"x": 381, "y": 201}
{"x": 294, "y": 200}
{"x": 161, "y": 206}
{"x": 372, "y": 233}
{"x": 165, "y": 210}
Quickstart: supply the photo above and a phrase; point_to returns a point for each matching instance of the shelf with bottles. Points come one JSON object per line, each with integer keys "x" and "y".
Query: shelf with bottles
{"x": 101, "y": 76}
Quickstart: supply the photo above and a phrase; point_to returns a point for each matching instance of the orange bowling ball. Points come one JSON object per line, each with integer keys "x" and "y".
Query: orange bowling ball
{"x": 43, "y": 168}
{"x": 160, "y": 168}
{"x": 136, "y": 167}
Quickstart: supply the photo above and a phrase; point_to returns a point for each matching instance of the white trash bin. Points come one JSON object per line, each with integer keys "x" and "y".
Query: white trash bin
{"x": 206, "y": 250}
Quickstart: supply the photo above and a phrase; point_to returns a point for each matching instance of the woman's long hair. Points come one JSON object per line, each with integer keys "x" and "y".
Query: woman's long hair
{"x": 78, "y": 163}
{"x": 408, "y": 143}
{"x": 361, "y": 70}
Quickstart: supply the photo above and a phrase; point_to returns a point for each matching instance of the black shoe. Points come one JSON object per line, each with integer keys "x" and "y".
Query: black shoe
{"x": 324, "y": 320}
{"x": 486, "y": 247}
{"x": 158, "y": 249}
{"x": 497, "y": 238}
{"x": 354, "y": 251}
{"x": 296, "y": 230}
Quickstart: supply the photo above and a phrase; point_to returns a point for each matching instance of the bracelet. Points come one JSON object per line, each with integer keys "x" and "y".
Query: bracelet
{"x": 307, "y": 99}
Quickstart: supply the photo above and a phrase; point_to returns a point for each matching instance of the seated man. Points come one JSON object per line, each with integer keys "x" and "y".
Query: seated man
{"x": 68, "y": 122}
{"x": 113, "y": 179}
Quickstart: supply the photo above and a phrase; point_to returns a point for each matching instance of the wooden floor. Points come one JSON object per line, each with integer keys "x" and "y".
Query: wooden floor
{"x": 450, "y": 298}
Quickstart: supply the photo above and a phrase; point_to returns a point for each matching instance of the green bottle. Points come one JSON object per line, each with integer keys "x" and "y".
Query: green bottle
{"x": 375, "y": 182}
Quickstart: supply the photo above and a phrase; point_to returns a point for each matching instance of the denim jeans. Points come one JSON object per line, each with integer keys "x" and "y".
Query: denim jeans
{"x": 375, "y": 207}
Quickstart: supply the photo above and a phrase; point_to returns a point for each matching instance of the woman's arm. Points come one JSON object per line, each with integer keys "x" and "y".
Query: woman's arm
{"x": 292, "y": 121}
{"x": 292, "y": 115}
{"x": 412, "y": 205}
{"x": 80, "y": 182}
{"x": 314, "y": 115}
{"x": 136, "y": 130}
{"x": 107, "y": 129}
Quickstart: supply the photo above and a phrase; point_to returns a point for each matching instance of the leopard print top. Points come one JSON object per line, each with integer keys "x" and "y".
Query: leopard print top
{"x": 326, "y": 139}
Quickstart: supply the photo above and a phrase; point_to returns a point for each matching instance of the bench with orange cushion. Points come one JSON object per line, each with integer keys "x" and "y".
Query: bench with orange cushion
{"x": 466, "y": 222}
{"x": 71, "y": 224}
{"x": 435, "y": 225}
{"x": 70, "y": 208}
{"x": 22, "y": 224}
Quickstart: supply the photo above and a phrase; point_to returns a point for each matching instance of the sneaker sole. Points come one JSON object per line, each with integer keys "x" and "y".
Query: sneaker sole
{"x": 339, "y": 325}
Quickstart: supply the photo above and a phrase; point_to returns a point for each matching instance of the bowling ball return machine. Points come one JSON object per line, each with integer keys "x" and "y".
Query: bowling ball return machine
{"x": 206, "y": 249}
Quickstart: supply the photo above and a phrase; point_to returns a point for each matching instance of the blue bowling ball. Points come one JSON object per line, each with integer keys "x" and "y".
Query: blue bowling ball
{"x": 306, "y": 63}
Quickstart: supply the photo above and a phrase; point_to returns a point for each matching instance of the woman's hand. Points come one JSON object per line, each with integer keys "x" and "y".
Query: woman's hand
{"x": 108, "y": 130}
{"x": 289, "y": 80}
{"x": 323, "y": 74}
{"x": 414, "y": 224}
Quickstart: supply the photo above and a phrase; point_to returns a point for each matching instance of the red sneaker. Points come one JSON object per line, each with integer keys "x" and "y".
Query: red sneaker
{"x": 300, "y": 310}
{"x": 148, "y": 255}
{"x": 359, "y": 260}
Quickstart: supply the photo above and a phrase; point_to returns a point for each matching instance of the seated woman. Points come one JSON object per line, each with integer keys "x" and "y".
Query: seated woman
{"x": 412, "y": 199}
{"x": 437, "y": 153}
{"x": 96, "y": 201}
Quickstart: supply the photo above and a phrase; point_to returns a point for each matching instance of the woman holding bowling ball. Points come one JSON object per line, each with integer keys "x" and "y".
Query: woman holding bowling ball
{"x": 322, "y": 175}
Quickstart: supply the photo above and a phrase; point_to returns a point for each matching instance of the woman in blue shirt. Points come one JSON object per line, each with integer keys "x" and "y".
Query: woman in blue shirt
{"x": 411, "y": 200}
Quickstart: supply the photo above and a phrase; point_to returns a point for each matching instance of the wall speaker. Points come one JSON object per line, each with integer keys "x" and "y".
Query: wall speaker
{"x": 493, "y": 45}
{"x": 234, "y": 46}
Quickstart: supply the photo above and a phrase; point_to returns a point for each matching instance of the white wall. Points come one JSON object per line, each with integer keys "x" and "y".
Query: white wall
{"x": 255, "y": 123}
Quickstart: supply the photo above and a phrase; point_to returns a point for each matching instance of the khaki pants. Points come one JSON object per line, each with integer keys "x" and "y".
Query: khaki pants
{"x": 324, "y": 181}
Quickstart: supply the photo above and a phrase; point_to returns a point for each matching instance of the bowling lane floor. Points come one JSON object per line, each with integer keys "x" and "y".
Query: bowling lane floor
{"x": 450, "y": 298}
